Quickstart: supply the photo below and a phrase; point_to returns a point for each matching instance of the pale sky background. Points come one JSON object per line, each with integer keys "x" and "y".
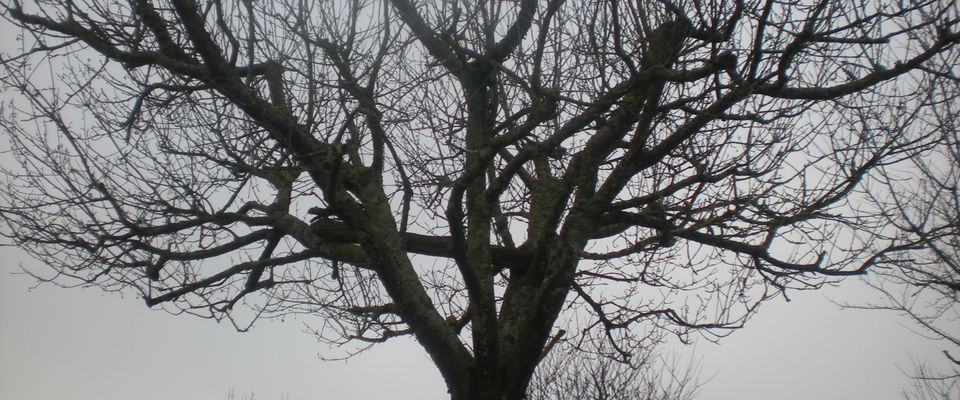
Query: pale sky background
{"x": 79, "y": 344}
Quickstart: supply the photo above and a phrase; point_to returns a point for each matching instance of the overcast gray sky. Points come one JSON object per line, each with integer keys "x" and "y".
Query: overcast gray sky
{"x": 78, "y": 344}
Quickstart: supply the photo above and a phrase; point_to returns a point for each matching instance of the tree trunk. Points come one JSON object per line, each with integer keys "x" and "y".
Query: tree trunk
{"x": 483, "y": 385}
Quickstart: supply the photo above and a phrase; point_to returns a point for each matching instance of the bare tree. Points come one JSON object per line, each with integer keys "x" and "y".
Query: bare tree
{"x": 232, "y": 395}
{"x": 572, "y": 374}
{"x": 930, "y": 384}
{"x": 918, "y": 273}
{"x": 476, "y": 174}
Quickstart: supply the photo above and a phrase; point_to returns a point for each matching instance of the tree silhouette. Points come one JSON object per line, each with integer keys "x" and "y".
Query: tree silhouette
{"x": 918, "y": 273}
{"x": 491, "y": 177}
{"x": 569, "y": 373}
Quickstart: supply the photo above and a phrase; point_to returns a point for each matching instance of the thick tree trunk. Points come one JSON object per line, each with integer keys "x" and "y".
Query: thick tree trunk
{"x": 480, "y": 387}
